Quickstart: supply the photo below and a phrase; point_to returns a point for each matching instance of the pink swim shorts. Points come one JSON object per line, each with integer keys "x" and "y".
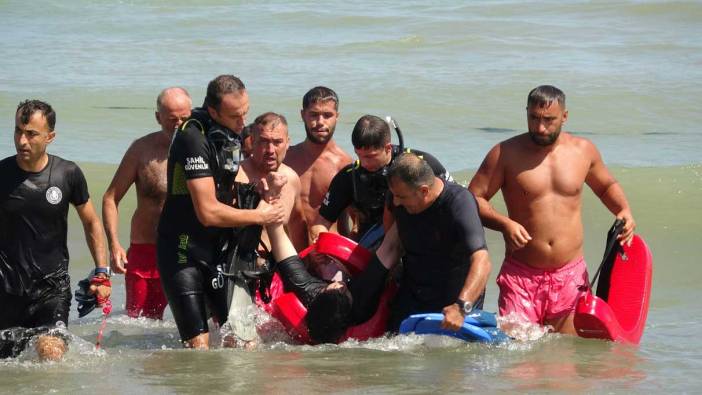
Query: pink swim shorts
{"x": 538, "y": 294}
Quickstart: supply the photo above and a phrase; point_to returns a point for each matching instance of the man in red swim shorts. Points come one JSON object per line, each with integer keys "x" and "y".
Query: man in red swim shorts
{"x": 541, "y": 174}
{"x": 144, "y": 164}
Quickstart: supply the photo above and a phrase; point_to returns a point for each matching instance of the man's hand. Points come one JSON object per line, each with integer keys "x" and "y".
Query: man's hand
{"x": 453, "y": 318}
{"x": 271, "y": 186}
{"x": 271, "y": 213}
{"x": 515, "y": 236}
{"x": 118, "y": 259}
{"x": 102, "y": 288}
{"x": 628, "y": 230}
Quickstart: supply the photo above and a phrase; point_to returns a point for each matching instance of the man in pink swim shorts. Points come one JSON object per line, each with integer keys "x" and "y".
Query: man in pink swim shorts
{"x": 541, "y": 174}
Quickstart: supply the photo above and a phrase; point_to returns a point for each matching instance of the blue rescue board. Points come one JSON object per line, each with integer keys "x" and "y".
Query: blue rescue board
{"x": 479, "y": 326}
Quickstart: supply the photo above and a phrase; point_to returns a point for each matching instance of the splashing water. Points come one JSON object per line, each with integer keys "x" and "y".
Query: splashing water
{"x": 520, "y": 329}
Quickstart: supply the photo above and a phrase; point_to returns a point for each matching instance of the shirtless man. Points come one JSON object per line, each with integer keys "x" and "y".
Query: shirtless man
{"x": 270, "y": 143}
{"x": 144, "y": 164}
{"x": 541, "y": 175}
{"x": 316, "y": 160}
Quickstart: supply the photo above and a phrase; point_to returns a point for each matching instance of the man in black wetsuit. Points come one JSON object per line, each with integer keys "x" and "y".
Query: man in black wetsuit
{"x": 35, "y": 191}
{"x": 446, "y": 263}
{"x": 198, "y": 214}
{"x": 362, "y": 184}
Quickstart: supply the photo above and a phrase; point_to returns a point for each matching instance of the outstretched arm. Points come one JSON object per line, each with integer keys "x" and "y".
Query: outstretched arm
{"x": 606, "y": 187}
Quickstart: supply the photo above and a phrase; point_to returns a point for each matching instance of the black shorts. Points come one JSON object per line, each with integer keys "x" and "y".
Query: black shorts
{"x": 49, "y": 308}
{"x": 195, "y": 291}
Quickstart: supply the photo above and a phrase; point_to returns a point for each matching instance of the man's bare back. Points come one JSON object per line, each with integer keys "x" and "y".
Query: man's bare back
{"x": 316, "y": 165}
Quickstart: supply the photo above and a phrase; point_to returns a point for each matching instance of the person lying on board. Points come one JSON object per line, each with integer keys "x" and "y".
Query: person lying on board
{"x": 541, "y": 175}
{"x": 334, "y": 306}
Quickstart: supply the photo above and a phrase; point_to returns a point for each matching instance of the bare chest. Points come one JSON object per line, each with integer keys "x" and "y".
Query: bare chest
{"x": 562, "y": 175}
{"x": 151, "y": 178}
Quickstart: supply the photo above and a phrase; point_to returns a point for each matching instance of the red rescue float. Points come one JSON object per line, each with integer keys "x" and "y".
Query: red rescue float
{"x": 619, "y": 313}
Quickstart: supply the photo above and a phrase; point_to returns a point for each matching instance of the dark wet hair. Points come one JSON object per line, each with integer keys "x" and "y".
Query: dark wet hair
{"x": 370, "y": 132}
{"x": 544, "y": 95}
{"x": 28, "y": 107}
{"x": 412, "y": 170}
{"x": 220, "y": 86}
{"x": 328, "y": 316}
{"x": 320, "y": 94}
{"x": 267, "y": 120}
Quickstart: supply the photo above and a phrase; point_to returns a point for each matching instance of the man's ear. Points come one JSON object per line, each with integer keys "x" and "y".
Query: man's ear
{"x": 565, "y": 116}
{"x": 158, "y": 117}
{"x": 52, "y": 136}
{"x": 212, "y": 112}
{"x": 388, "y": 148}
{"x": 424, "y": 190}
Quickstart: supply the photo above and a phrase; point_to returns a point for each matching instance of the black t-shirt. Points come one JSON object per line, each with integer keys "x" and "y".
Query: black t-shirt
{"x": 193, "y": 155}
{"x": 438, "y": 244}
{"x": 366, "y": 191}
{"x": 33, "y": 221}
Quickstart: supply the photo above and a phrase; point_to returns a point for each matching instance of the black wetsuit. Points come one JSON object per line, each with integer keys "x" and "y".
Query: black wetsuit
{"x": 366, "y": 191}
{"x": 34, "y": 281}
{"x": 365, "y": 288}
{"x": 190, "y": 255}
{"x": 438, "y": 244}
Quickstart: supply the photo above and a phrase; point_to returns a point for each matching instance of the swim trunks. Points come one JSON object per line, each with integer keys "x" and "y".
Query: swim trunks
{"x": 537, "y": 294}
{"x": 145, "y": 295}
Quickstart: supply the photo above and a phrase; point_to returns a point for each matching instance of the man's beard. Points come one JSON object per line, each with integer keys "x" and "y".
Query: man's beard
{"x": 544, "y": 141}
{"x": 319, "y": 140}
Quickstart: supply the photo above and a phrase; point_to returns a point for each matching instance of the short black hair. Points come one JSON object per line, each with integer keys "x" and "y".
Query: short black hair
{"x": 320, "y": 94}
{"x": 370, "y": 132}
{"x": 328, "y": 316}
{"x": 544, "y": 95}
{"x": 28, "y": 107}
{"x": 412, "y": 170}
{"x": 220, "y": 86}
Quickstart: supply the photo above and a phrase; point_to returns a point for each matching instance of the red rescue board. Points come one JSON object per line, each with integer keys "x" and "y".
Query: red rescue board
{"x": 622, "y": 317}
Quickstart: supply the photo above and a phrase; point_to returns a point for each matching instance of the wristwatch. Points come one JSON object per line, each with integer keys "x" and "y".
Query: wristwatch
{"x": 102, "y": 270}
{"x": 465, "y": 305}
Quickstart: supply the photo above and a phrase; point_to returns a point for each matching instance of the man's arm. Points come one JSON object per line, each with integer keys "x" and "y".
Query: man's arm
{"x": 210, "y": 212}
{"x": 485, "y": 183}
{"x": 124, "y": 177}
{"x": 606, "y": 187}
{"x": 320, "y": 225}
{"x": 473, "y": 287}
{"x": 95, "y": 238}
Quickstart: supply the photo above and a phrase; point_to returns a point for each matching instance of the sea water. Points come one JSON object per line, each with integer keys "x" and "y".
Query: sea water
{"x": 455, "y": 76}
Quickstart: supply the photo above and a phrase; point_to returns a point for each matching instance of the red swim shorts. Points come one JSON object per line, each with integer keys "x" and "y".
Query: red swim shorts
{"x": 145, "y": 295}
{"x": 538, "y": 294}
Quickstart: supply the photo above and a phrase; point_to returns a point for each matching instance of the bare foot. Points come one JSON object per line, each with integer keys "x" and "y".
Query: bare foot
{"x": 271, "y": 186}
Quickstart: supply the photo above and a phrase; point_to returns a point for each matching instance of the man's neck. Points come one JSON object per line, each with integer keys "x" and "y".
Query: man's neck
{"x": 316, "y": 149}
{"x": 34, "y": 166}
{"x": 434, "y": 192}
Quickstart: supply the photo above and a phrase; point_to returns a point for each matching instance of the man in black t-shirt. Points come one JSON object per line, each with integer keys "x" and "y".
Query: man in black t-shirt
{"x": 35, "y": 191}
{"x": 362, "y": 184}
{"x": 446, "y": 263}
{"x": 198, "y": 213}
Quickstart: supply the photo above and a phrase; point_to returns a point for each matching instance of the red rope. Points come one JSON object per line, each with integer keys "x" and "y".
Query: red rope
{"x": 106, "y": 310}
